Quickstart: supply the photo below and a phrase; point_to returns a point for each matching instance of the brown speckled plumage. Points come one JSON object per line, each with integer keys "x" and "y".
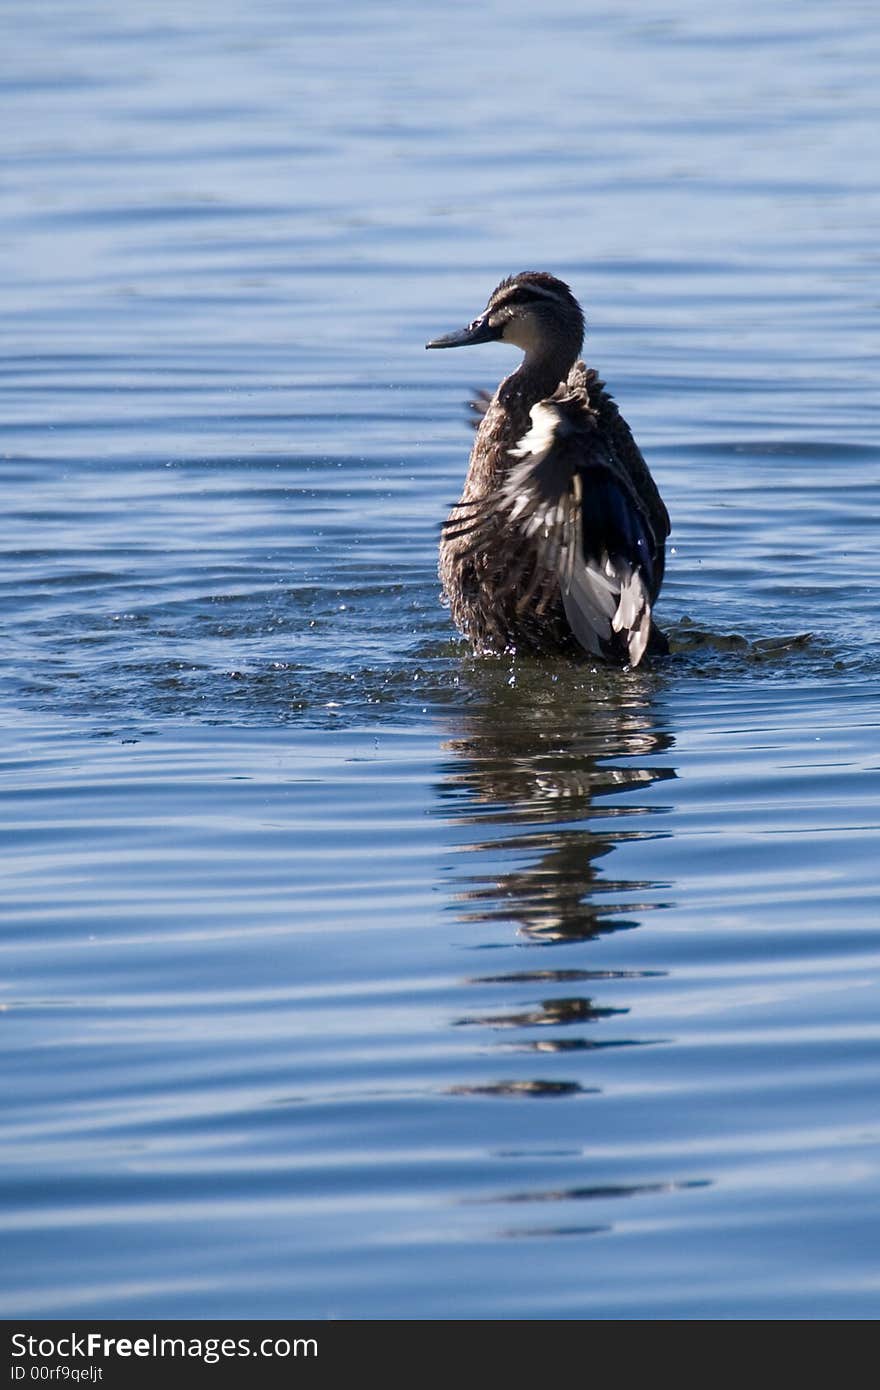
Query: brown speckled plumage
{"x": 560, "y": 521}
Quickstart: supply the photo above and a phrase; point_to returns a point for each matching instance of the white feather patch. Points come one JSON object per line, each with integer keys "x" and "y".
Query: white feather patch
{"x": 539, "y": 440}
{"x": 600, "y": 601}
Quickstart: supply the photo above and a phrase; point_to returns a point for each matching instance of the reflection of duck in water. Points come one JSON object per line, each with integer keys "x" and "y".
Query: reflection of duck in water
{"x": 542, "y": 781}
{"x": 558, "y": 539}
{"x": 527, "y": 783}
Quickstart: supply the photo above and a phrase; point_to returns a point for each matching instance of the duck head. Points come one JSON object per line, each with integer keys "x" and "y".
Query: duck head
{"x": 534, "y": 311}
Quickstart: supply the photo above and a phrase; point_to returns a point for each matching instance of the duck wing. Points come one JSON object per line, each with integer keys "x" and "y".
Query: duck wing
{"x": 478, "y": 407}
{"x": 567, "y": 509}
{"x": 626, "y": 457}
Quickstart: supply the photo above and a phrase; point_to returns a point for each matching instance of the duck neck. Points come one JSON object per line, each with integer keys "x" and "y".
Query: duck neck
{"x": 507, "y": 419}
{"x": 536, "y": 377}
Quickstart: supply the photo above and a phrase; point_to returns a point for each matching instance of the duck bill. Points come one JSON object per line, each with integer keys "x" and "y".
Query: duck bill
{"x": 480, "y": 331}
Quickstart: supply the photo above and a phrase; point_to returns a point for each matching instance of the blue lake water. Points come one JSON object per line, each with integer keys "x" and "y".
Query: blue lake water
{"x": 343, "y": 974}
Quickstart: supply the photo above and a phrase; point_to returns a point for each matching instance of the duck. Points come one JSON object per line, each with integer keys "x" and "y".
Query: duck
{"x": 558, "y": 541}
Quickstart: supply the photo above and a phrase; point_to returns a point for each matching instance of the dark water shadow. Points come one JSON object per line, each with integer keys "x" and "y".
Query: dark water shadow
{"x": 535, "y": 760}
{"x": 548, "y": 771}
{"x": 542, "y": 783}
{"x": 598, "y": 1193}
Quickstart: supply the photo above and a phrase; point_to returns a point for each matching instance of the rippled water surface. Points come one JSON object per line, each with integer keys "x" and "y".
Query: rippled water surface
{"x": 343, "y": 974}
